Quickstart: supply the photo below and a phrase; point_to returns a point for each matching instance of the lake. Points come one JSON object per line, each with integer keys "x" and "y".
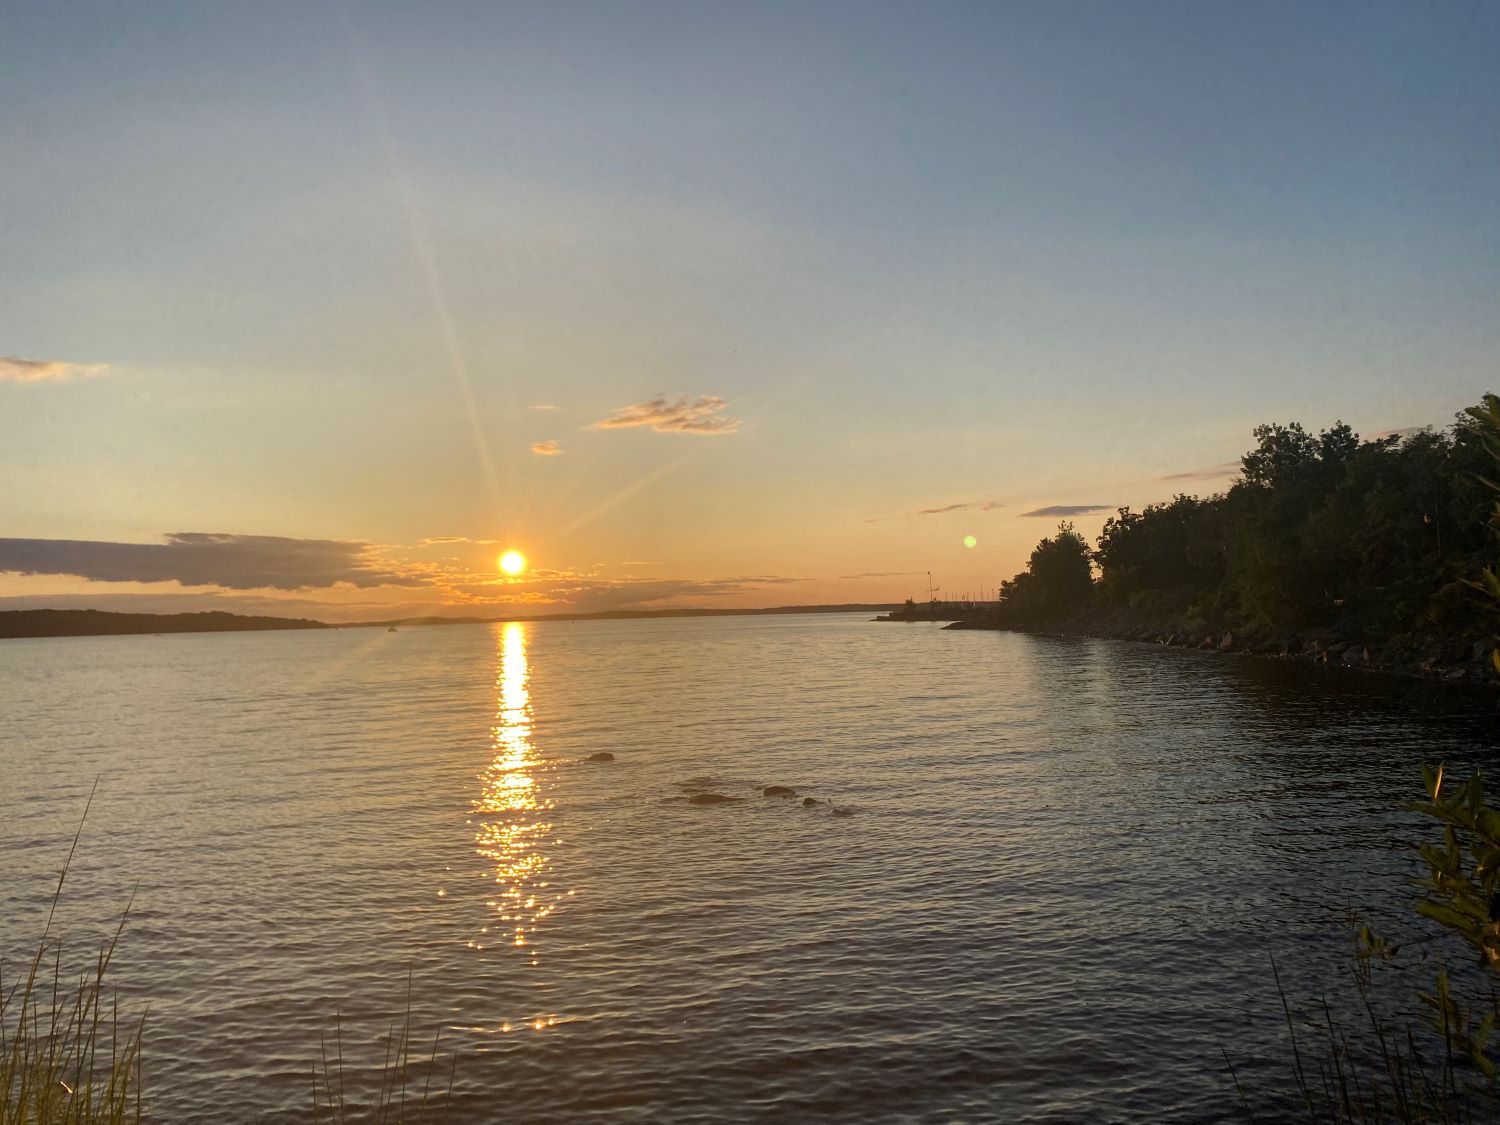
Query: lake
{"x": 1066, "y": 867}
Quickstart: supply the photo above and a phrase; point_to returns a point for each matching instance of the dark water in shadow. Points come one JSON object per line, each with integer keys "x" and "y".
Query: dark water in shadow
{"x": 1067, "y": 865}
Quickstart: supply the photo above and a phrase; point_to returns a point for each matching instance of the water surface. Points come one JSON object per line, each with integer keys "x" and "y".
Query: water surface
{"x": 1067, "y": 866}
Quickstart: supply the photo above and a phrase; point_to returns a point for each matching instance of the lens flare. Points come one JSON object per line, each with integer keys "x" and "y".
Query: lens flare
{"x": 512, "y": 563}
{"x": 970, "y": 541}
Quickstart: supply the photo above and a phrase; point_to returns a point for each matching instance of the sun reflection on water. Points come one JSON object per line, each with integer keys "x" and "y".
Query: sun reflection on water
{"x": 515, "y": 828}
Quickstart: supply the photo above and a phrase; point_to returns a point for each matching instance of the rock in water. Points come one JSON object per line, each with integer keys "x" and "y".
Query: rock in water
{"x": 713, "y": 799}
{"x": 809, "y": 801}
{"x": 602, "y": 756}
{"x": 778, "y": 791}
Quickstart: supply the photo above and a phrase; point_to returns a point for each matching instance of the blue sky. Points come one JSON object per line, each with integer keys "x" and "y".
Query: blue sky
{"x": 321, "y": 262}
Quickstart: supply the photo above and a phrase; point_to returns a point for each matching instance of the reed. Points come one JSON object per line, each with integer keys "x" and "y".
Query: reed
{"x": 404, "y": 1096}
{"x": 1432, "y": 1063}
{"x": 67, "y": 1056}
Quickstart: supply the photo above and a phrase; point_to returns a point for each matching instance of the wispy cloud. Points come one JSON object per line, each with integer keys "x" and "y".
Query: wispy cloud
{"x": 966, "y": 505}
{"x": 1403, "y": 433}
{"x": 881, "y": 574}
{"x": 690, "y": 414}
{"x": 546, "y": 448}
{"x": 1212, "y": 472}
{"x": 233, "y": 562}
{"x": 1066, "y": 510}
{"x": 587, "y": 592}
{"x": 14, "y": 369}
{"x": 542, "y": 406}
{"x": 434, "y": 540}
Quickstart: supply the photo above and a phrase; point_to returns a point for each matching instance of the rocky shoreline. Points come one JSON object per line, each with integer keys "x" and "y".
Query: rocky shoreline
{"x": 1452, "y": 660}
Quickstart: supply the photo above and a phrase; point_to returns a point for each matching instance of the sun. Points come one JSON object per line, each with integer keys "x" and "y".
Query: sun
{"x": 512, "y": 563}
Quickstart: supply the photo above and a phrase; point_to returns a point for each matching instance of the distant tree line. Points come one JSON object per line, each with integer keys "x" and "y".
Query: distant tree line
{"x": 1320, "y": 532}
{"x": 97, "y": 623}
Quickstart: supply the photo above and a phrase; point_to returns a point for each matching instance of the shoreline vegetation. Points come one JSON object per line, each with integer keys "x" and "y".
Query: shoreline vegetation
{"x": 1374, "y": 555}
{"x": 69, "y": 1056}
{"x": 25, "y": 623}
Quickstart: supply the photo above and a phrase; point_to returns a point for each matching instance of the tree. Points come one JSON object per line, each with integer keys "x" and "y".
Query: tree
{"x": 1058, "y": 580}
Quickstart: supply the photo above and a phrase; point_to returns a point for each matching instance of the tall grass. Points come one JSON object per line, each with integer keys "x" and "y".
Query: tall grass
{"x": 398, "y": 1101}
{"x": 1380, "y": 1070}
{"x": 67, "y": 1057}
{"x": 1432, "y": 1062}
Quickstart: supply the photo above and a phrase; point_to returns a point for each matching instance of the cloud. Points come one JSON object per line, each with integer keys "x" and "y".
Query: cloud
{"x": 546, "y": 449}
{"x": 939, "y": 511}
{"x": 690, "y": 414}
{"x": 542, "y": 406}
{"x": 1213, "y": 472}
{"x": 967, "y": 505}
{"x": 881, "y": 574}
{"x": 564, "y": 591}
{"x": 1403, "y": 433}
{"x": 1071, "y": 510}
{"x": 14, "y": 369}
{"x": 235, "y": 562}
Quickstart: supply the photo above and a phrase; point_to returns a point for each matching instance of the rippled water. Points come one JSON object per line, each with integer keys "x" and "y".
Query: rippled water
{"x": 1066, "y": 867}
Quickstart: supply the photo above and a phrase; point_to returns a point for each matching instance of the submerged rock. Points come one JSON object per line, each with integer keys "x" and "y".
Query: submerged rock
{"x": 778, "y": 791}
{"x": 713, "y": 799}
{"x": 809, "y": 801}
{"x": 601, "y": 756}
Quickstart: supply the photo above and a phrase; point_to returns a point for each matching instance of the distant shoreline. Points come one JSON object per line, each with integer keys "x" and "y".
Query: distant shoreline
{"x": 21, "y": 624}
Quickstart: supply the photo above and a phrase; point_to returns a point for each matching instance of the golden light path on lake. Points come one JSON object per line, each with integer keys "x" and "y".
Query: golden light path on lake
{"x": 514, "y": 828}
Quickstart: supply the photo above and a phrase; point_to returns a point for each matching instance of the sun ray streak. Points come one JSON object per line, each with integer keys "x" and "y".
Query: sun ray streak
{"x": 624, "y": 494}
{"x": 420, "y": 242}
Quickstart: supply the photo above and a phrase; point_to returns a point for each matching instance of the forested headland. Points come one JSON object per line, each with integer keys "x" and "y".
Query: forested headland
{"x": 1376, "y": 552}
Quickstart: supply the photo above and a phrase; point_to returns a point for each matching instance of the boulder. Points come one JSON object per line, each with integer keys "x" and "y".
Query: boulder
{"x": 601, "y": 756}
{"x": 713, "y": 799}
{"x": 778, "y": 791}
{"x": 1226, "y": 642}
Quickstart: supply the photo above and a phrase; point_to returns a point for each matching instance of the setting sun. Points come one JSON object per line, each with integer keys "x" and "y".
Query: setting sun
{"x": 512, "y": 562}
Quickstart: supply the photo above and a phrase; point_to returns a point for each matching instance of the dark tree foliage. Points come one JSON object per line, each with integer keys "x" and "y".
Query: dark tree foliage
{"x": 1378, "y": 538}
{"x": 1057, "y": 579}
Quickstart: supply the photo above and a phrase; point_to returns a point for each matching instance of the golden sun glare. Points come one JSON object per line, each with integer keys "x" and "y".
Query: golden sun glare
{"x": 512, "y": 563}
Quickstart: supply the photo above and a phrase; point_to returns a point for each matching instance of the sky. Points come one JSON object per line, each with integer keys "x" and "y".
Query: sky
{"x": 315, "y": 309}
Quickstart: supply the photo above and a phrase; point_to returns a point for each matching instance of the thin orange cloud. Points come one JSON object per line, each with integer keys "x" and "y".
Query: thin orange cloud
{"x": 690, "y": 414}
{"x": 14, "y": 369}
{"x": 546, "y": 448}
{"x": 966, "y": 505}
{"x": 1213, "y": 472}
